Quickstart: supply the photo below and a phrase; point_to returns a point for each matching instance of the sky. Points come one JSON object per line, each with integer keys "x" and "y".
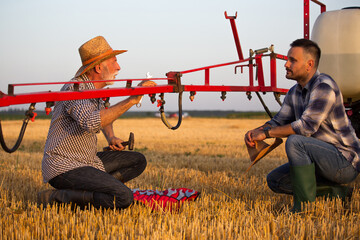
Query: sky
{"x": 40, "y": 39}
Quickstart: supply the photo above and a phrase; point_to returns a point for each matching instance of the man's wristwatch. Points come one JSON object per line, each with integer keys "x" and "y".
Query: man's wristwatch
{"x": 266, "y": 131}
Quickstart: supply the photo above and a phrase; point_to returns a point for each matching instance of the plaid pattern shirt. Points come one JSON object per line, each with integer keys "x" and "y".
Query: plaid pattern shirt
{"x": 317, "y": 111}
{"x": 72, "y": 141}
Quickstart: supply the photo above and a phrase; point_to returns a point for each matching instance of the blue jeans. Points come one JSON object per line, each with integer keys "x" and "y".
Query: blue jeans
{"x": 108, "y": 187}
{"x": 331, "y": 167}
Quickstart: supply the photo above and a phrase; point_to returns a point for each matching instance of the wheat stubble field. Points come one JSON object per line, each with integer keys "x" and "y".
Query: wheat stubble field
{"x": 207, "y": 155}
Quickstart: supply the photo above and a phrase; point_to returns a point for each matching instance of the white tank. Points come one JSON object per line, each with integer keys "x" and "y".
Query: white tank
{"x": 338, "y": 35}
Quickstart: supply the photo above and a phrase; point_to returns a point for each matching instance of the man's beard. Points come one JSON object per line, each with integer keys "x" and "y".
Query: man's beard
{"x": 107, "y": 77}
{"x": 289, "y": 74}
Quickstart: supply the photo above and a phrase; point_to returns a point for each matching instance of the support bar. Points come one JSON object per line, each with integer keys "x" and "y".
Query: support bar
{"x": 235, "y": 33}
{"x": 307, "y": 15}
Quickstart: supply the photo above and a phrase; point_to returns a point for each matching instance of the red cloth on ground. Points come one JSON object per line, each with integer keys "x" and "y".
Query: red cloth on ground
{"x": 169, "y": 199}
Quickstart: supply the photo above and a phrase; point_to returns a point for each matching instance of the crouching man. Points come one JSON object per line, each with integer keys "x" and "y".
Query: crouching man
{"x": 321, "y": 147}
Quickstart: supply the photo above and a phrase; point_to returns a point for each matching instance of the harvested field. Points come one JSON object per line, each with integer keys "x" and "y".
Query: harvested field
{"x": 208, "y": 155}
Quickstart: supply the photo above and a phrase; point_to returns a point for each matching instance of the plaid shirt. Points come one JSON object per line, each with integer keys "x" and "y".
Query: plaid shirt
{"x": 317, "y": 111}
{"x": 72, "y": 141}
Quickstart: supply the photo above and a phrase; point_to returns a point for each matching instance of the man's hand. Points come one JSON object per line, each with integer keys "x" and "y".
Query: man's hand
{"x": 136, "y": 99}
{"x": 254, "y": 135}
{"x": 147, "y": 83}
{"x": 258, "y": 134}
{"x": 115, "y": 144}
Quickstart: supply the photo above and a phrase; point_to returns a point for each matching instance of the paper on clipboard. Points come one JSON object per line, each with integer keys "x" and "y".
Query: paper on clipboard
{"x": 260, "y": 150}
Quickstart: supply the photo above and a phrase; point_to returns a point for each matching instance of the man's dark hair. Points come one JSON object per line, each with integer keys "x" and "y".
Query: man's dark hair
{"x": 309, "y": 47}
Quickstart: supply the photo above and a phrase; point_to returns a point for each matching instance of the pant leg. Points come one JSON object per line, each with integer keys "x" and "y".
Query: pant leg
{"x": 123, "y": 165}
{"x": 330, "y": 164}
{"x": 108, "y": 191}
{"x": 331, "y": 167}
{"x": 279, "y": 180}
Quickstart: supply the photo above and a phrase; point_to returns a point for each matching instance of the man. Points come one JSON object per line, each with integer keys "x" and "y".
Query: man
{"x": 71, "y": 163}
{"x": 322, "y": 148}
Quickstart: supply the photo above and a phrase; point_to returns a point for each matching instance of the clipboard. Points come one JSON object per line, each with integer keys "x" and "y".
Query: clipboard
{"x": 260, "y": 150}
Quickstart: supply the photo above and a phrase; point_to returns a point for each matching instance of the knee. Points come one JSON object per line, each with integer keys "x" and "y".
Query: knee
{"x": 128, "y": 199}
{"x": 271, "y": 182}
{"x": 141, "y": 161}
{"x": 125, "y": 199}
{"x": 278, "y": 180}
{"x": 297, "y": 151}
{"x": 293, "y": 141}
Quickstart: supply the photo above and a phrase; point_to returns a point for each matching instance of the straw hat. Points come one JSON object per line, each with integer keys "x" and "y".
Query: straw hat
{"x": 94, "y": 52}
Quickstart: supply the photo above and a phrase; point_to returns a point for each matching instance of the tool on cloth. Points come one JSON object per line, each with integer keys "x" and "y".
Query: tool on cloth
{"x": 129, "y": 143}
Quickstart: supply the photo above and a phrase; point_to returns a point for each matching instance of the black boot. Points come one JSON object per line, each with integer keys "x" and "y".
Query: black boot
{"x": 75, "y": 197}
{"x": 303, "y": 181}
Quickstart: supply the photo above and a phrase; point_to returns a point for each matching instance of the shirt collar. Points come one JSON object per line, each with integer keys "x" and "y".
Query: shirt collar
{"x": 309, "y": 84}
{"x": 84, "y": 78}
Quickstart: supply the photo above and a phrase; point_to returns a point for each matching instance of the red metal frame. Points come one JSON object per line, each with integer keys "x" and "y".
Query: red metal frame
{"x": 21, "y": 98}
{"x": 36, "y": 97}
{"x": 255, "y": 60}
{"x": 307, "y": 16}
{"x": 251, "y": 88}
{"x": 235, "y": 33}
{"x": 174, "y": 84}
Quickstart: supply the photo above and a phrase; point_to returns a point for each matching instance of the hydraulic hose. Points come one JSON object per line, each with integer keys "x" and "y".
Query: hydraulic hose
{"x": 163, "y": 116}
{"x": 18, "y": 141}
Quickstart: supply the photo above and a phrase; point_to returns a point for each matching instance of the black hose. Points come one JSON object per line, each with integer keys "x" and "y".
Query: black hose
{"x": 18, "y": 142}
{"x": 165, "y": 121}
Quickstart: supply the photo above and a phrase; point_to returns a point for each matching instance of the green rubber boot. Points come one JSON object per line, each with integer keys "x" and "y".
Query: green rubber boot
{"x": 333, "y": 191}
{"x": 304, "y": 185}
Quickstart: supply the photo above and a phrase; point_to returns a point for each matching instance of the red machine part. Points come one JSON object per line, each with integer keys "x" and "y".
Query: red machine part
{"x": 174, "y": 81}
{"x": 47, "y": 110}
{"x": 307, "y": 15}
{"x": 173, "y": 78}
